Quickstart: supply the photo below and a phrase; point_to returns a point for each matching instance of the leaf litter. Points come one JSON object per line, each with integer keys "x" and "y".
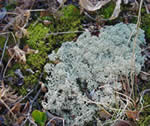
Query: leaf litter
{"x": 16, "y": 23}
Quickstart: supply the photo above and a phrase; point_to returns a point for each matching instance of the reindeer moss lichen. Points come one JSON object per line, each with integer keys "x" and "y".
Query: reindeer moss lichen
{"x": 88, "y": 64}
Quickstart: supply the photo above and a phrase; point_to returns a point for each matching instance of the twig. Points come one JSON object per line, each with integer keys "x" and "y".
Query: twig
{"x": 145, "y": 73}
{"x": 20, "y": 100}
{"x": 13, "y": 37}
{"x": 7, "y": 65}
{"x": 134, "y": 46}
{"x": 3, "y": 33}
{"x": 13, "y": 13}
{"x": 8, "y": 108}
{"x": 89, "y": 16}
{"x": 147, "y": 10}
{"x": 32, "y": 122}
{"x": 28, "y": 117}
{"x": 4, "y": 48}
{"x": 58, "y": 118}
{"x": 68, "y": 32}
{"x": 37, "y": 10}
{"x": 141, "y": 98}
{"x": 53, "y": 117}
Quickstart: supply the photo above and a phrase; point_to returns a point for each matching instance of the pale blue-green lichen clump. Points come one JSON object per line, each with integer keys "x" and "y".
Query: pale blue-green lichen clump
{"x": 87, "y": 65}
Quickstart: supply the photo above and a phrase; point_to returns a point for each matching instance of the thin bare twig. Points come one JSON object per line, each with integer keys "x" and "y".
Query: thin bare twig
{"x": 58, "y": 118}
{"x": 8, "y": 65}
{"x": 134, "y": 46}
{"x": 141, "y": 98}
{"x": 4, "y": 48}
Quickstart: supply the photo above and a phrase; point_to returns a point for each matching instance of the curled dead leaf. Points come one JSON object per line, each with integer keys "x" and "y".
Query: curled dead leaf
{"x": 116, "y": 10}
{"x": 8, "y": 97}
{"x": 26, "y": 108}
{"x": 16, "y": 108}
{"x": 89, "y": 6}
{"x": 20, "y": 55}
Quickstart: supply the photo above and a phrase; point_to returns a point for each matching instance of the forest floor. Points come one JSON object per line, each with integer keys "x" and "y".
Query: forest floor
{"x": 31, "y": 29}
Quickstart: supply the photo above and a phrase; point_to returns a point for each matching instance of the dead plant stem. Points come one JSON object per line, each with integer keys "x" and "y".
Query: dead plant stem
{"x": 132, "y": 75}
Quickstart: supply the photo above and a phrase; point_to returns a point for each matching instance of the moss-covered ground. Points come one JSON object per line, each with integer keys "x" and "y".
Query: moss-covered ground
{"x": 40, "y": 38}
{"x": 47, "y": 37}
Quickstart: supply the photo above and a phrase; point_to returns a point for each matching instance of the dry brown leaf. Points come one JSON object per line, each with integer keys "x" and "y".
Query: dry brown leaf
{"x": 16, "y": 108}
{"x": 26, "y": 108}
{"x": 19, "y": 22}
{"x": 19, "y": 55}
{"x": 8, "y": 96}
{"x": 22, "y": 18}
{"x": 89, "y": 6}
{"x": 132, "y": 114}
{"x": 6, "y": 101}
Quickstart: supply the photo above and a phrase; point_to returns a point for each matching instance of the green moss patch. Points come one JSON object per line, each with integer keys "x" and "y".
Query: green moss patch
{"x": 107, "y": 10}
{"x": 69, "y": 21}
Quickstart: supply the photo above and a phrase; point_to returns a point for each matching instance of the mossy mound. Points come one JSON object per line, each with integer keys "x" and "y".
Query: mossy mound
{"x": 145, "y": 114}
{"x": 69, "y": 21}
{"x": 107, "y": 10}
{"x": 146, "y": 25}
{"x": 2, "y": 41}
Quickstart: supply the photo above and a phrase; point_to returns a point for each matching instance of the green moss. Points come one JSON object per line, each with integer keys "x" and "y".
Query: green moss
{"x": 145, "y": 121}
{"x": 35, "y": 62}
{"x": 70, "y": 20}
{"x": 13, "y": 68}
{"x": 11, "y": 7}
{"x": 70, "y": 13}
{"x": 107, "y": 10}
{"x": 146, "y": 25}
{"x": 2, "y": 41}
{"x": 36, "y": 32}
{"x": 22, "y": 90}
{"x": 145, "y": 18}
{"x": 145, "y": 114}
